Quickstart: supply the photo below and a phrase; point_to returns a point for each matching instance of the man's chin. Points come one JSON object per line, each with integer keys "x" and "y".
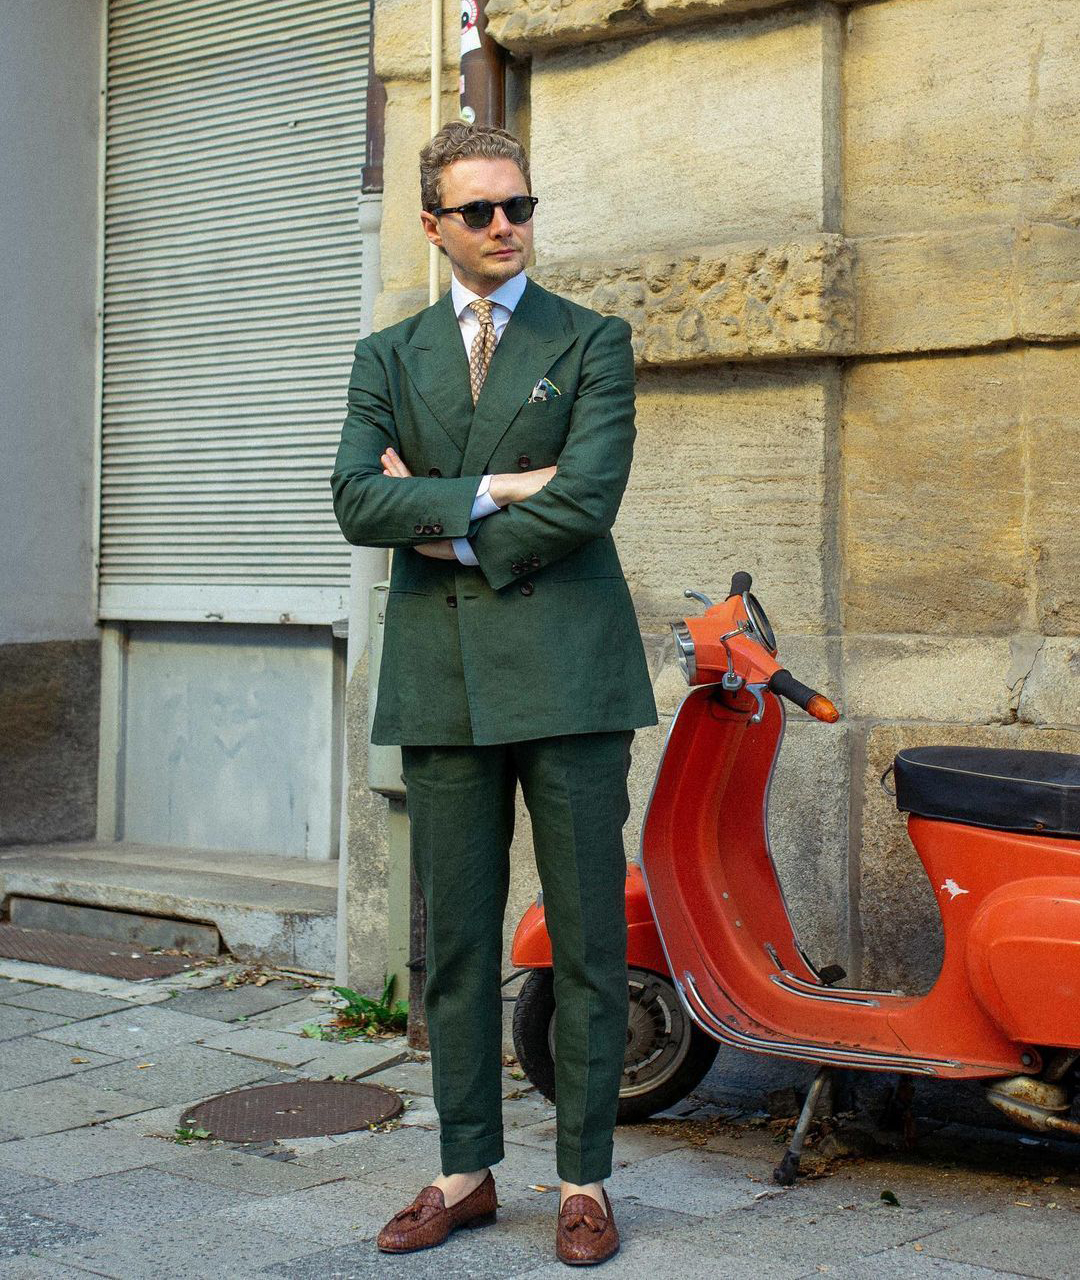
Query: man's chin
{"x": 503, "y": 268}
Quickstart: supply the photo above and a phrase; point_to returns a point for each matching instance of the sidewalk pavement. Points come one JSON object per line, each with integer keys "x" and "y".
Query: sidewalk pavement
{"x": 95, "y": 1074}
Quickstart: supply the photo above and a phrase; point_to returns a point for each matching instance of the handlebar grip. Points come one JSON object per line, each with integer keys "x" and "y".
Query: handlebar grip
{"x": 785, "y": 684}
{"x": 740, "y": 582}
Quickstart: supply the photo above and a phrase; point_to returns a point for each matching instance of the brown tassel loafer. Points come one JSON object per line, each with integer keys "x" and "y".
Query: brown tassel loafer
{"x": 585, "y": 1235}
{"x": 427, "y": 1221}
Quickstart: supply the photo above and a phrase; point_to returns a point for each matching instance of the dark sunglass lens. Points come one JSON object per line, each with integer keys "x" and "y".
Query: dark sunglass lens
{"x": 478, "y": 213}
{"x": 519, "y": 209}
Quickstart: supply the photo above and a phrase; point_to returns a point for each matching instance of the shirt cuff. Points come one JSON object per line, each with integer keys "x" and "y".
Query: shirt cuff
{"x": 463, "y": 550}
{"x": 483, "y": 503}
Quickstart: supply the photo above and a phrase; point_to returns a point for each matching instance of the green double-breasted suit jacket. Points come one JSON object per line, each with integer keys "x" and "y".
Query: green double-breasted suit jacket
{"x": 541, "y": 637}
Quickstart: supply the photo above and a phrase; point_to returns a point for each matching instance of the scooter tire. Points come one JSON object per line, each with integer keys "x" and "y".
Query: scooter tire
{"x": 534, "y": 1011}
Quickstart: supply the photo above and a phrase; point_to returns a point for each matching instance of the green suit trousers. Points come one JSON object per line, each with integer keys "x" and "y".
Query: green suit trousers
{"x": 461, "y": 811}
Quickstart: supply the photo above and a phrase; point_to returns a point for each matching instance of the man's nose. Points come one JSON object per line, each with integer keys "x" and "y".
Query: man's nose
{"x": 500, "y": 223}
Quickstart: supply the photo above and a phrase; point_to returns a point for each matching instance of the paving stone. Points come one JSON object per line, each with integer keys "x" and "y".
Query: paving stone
{"x": 15, "y": 1021}
{"x": 9, "y": 987}
{"x": 904, "y": 1263}
{"x": 353, "y": 1059}
{"x": 641, "y": 1254}
{"x": 70, "y": 1004}
{"x": 815, "y": 1238}
{"x": 292, "y": 1016}
{"x": 179, "y": 1073}
{"x": 1031, "y": 1242}
{"x": 21, "y": 1231}
{"x": 687, "y": 1181}
{"x": 13, "y": 1183}
{"x": 414, "y": 1077}
{"x": 31, "y": 1059}
{"x": 141, "y": 1029}
{"x": 229, "y": 1003}
{"x": 133, "y": 1201}
{"x": 228, "y": 1166}
{"x": 61, "y": 1104}
{"x": 28, "y": 1267}
{"x": 80, "y": 1153}
{"x": 344, "y": 1210}
{"x": 361, "y": 1154}
{"x": 190, "y": 1248}
{"x": 267, "y": 1046}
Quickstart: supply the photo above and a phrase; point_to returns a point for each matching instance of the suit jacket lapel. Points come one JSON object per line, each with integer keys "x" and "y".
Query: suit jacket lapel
{"x": 435, "y": 360}
{"x": 534, "y": 338}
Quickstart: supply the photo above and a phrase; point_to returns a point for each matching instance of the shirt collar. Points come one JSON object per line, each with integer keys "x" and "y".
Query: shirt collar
{"x": 507, "y": 295}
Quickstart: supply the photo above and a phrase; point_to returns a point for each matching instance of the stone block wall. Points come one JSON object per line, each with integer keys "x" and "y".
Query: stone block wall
{"x": 847, "y": 238}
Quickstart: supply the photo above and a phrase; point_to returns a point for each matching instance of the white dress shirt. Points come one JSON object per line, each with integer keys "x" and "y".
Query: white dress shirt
{"x": 505, "y": 298}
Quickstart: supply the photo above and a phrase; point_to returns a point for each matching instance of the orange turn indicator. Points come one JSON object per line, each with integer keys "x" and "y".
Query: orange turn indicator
{"x": 822, "y": 709}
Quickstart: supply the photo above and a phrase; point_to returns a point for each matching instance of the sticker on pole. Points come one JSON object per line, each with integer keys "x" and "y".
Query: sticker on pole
{"x": 470, "y": 34}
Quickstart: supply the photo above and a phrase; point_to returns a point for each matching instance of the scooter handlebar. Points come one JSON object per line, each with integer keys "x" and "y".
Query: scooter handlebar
{"x": 816, "y": 704}
{"x": 740, "y": 582}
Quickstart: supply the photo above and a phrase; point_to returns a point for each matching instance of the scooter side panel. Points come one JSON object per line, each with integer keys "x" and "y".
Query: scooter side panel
{"x": 1024, "y": 960}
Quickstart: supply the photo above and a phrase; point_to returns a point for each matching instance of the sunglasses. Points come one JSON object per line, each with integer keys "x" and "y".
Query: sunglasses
{"x": 479, "y": 213}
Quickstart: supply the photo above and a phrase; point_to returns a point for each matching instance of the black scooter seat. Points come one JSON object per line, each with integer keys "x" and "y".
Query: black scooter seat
{"x": 1031, "y": 791}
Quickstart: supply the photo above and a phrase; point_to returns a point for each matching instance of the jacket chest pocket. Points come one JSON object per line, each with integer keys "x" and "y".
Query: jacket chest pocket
{"x": 543, "y": 420}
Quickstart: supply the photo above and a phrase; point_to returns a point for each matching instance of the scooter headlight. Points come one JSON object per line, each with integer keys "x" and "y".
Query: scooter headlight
{"x": 684, "y": 650}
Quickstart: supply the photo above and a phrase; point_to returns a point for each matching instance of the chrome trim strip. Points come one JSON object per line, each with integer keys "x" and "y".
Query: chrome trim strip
{"x": 807, "y": 990}
{"x": 709, "y": 1022}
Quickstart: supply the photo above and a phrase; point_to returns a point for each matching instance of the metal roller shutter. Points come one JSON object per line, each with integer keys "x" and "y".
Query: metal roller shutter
{"x": 232, "y": 300}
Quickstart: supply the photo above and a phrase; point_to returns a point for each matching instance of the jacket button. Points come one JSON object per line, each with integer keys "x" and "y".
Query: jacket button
{"x": 434, "y": 471}
{"x": 418, "y": 528}
{"x": 534, "y": 561}
{"x": 436, "y": 528}
{"x": 427, "y": 529}
{"x": 452, "y": 601}
{"x": 517, "y": 567}
{"x": 526, "y": 588}
{"x": 524, "y": 462}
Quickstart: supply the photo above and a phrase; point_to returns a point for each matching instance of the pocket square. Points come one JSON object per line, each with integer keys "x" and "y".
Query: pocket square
{"x": 545, "y": 389}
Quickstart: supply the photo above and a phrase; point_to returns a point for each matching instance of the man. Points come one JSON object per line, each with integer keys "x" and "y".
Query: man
{"x": 489, "y": 441}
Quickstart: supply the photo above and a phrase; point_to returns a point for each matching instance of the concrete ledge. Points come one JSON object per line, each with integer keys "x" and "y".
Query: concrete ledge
{"x": 528, "y": 26}
{"x": 278, "y": 910}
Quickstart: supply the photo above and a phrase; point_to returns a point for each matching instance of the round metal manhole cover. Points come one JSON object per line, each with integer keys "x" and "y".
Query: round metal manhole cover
{"x": 302, "y": 1109}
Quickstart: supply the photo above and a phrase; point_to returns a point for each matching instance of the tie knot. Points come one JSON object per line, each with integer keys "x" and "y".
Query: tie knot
{"x": 481, "y": 308}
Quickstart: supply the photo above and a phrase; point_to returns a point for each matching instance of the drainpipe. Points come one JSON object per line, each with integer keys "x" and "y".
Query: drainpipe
{"x": 482, "y": 83}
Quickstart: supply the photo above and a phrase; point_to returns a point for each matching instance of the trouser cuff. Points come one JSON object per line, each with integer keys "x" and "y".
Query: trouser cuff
{"x": 592, "y": 1164}
{"x": 471, "y": 1154}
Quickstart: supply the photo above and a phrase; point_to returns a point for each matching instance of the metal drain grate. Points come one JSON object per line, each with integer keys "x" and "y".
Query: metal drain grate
{"x": 88, "y": 955}
{"x": 302, "y": 1109}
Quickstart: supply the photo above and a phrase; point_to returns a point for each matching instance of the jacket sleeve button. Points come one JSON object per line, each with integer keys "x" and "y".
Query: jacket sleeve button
{"x": 526, "y": 588}
{"x": 428, "y": 529}
{"x": 534, "y": 561}
{"x": 436, "y": 528}
{"x": 418, "y": 528}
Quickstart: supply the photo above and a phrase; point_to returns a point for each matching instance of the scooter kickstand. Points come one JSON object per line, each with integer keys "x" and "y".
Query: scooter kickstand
{"x": 786, "y": 1170}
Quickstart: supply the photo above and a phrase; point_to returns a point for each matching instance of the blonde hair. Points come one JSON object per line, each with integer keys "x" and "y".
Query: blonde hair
{"x": 459, "y": 141}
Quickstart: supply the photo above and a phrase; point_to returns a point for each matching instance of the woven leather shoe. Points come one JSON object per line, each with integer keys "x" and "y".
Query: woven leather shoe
{"x": 585, "y": 1235}
{"x": 427, "y": 1221}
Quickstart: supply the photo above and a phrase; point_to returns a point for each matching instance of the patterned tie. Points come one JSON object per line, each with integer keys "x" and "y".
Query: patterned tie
{"x": 483, "y": 346}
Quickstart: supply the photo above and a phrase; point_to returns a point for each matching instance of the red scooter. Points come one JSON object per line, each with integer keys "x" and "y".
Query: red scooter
{"x": 715, "y": 959}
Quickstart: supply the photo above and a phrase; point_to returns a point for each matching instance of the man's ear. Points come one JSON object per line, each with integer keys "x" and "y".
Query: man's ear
{"x": 431, "y": 228}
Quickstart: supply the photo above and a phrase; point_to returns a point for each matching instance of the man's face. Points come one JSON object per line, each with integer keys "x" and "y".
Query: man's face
{"x": 483, "y": 258}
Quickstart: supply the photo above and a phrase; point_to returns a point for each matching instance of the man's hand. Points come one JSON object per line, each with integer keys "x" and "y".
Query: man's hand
{"x": 393, "y": 466}
{"x": 515, "y": 486}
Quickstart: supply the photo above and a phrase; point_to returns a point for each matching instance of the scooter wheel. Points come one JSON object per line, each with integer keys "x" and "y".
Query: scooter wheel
{"x": 666, "y": 1054}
